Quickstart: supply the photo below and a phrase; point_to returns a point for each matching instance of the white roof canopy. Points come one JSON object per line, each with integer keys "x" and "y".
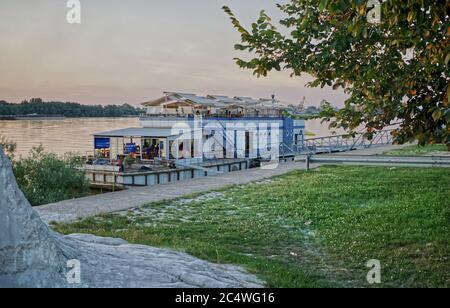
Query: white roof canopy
{"x": 142, "y": 132}
{"x": 217, "y": 101}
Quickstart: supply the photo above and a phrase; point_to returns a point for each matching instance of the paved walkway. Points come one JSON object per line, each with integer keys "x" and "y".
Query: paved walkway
{"x": 71, "y": 210}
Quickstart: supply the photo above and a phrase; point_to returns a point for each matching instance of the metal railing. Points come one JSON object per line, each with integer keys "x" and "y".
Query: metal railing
{"x": 329, "y": 144}
{"x": 345, "y": 143}
{"x": 377, "y": 160}
{"x": 165, "y": 116}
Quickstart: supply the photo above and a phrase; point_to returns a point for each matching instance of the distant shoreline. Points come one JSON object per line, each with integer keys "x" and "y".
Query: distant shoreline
{"x": 31, "y": 117}
{"x": 44, "y": 117}
{"x": 37, "y": 109}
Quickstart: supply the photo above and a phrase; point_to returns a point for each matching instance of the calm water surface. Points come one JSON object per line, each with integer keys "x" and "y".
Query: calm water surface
{"x": 76, "y": 135}
{"x": 60, "y": 136}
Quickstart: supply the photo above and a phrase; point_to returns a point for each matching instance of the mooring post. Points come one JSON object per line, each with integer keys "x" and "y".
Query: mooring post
{"x": 308, "y": 158}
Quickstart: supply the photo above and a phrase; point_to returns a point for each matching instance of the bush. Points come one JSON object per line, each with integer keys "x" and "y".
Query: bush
{"x": 8, "y": 146}
{"x": 45, "y": 178}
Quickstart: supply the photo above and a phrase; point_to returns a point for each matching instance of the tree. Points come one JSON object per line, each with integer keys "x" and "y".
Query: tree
{"x": 395, "y": 69}
{"x": 311, "y": 110}
{"x": 324, "y": 105}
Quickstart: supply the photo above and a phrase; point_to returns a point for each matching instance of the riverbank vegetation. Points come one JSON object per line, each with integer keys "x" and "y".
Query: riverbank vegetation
{"x": 71, "y": 110}
{"x": 8, "y": 146}
{"x": 307, "y": 229}
{"x": 46, "y": 178}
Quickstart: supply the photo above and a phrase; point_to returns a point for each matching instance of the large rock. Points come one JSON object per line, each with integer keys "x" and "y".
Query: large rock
{"x": 31, "y": 255}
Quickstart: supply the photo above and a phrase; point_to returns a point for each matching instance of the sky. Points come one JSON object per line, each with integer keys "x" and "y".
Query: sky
{"x": 131, "y": 51}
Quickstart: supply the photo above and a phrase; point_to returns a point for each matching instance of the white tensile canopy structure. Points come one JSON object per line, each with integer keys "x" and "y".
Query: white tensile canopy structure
{"x": 176, "y": 103}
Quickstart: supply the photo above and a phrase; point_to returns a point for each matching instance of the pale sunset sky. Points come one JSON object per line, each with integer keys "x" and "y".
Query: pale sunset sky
{"x": 131, "y": 51}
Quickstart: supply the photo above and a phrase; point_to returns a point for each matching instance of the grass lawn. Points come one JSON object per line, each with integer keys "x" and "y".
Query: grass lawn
{"x": 315, "y": 229}
{"x": 418, "y": 150}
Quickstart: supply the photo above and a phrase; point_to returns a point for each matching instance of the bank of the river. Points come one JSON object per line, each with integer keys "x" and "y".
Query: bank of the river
{"x": 303, "y": 229}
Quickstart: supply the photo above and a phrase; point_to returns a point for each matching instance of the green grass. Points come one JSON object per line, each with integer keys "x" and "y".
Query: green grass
{"x": 415, "y": 150}
{"x": 315, "y": 229}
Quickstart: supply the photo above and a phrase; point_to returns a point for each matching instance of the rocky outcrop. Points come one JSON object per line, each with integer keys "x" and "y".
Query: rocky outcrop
{"x": 31, "y": 255}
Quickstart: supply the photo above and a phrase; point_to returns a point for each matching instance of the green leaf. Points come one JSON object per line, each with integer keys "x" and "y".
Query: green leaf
{"x": 448, "y": 94}
{"x": 447, "y": 59}
{"x": 410, "y": 17}
{"x": 437, "y": 114}
{"x": 323, "y": 5}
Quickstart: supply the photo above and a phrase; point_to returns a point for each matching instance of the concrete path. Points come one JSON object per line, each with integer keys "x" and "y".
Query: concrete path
{"x": 71, "y": 210}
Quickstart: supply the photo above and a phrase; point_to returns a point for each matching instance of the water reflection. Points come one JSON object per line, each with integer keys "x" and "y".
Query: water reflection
{"x": 60, "y": 136}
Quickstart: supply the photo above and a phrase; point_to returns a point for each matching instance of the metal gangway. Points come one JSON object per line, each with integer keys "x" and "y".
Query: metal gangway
{"x": 325, "y": 145}
{"x": 338, "y": 143}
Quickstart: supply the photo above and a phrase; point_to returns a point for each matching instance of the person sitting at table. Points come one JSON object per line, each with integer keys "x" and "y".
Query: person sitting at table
{"x": 150, "y": 151}
{"x": 157, "y": 151}
{"x": 120, "y": 164}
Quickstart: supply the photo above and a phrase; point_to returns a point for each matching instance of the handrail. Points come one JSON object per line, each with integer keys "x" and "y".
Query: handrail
{"x": 204, "y": 116}
{"x": 381, "y": 160}
{"x": 347, "y": 135}
{"x": 340, "y": 143}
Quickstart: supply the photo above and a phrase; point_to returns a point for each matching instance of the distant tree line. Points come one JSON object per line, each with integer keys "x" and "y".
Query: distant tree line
{"x": 72, "y": 110}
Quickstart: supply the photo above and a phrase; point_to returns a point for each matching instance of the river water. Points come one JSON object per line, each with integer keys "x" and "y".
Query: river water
{"x": 75, "y": 134}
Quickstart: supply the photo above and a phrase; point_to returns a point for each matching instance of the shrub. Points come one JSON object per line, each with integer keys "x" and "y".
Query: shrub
{"x": 8, "y": 146}
{"x": 45, "y": 178}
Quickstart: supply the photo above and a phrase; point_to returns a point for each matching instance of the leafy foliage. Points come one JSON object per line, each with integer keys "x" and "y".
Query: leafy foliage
{"x": 9, "y": 147}
{"x": 45, "y": 178}
{"x": 394, "y": 70}
{"x": 37, "y": 106}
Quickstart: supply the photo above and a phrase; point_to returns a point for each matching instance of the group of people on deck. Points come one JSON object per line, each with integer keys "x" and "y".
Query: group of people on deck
{"x": 152, "y": 151}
